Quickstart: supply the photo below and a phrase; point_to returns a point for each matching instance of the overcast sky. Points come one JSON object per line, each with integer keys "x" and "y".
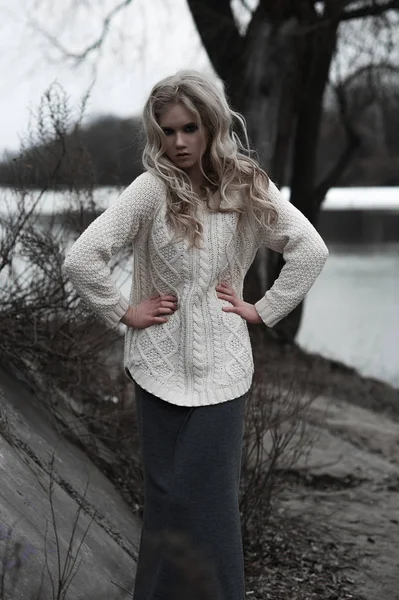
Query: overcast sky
{"x": 150, "y": 39}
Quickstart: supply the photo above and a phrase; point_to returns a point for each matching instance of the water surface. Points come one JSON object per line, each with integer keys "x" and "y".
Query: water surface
{"x": 352, "y": 311}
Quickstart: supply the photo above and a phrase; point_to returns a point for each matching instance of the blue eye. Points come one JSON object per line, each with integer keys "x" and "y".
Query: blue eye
{"x": 191, "y": 128}
{"x": 167, "y": 131}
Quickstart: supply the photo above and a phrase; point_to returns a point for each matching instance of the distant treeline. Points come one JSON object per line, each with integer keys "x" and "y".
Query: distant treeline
{"x": 105, "y": 152}
{"x": 108, "y": 152}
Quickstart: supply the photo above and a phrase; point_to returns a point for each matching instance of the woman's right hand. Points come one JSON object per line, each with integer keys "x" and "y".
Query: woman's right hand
{"x": 148, "y": 312}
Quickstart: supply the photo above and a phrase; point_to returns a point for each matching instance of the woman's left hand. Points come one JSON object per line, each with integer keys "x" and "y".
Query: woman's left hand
{"x": 246, "y": 310}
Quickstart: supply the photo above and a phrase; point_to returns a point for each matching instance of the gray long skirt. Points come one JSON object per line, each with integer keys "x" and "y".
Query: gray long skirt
{"x": 191, "y": 543}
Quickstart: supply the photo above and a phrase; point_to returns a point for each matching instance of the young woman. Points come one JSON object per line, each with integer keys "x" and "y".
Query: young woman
{"x": 195, "y": 220}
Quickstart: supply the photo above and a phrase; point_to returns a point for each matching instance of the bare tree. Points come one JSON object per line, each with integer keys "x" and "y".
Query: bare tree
{"x": 277, "y": 75}
{"x": 276, "y": 72}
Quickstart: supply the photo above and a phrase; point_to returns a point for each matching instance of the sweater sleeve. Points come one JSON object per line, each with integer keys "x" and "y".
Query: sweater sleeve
{"x": 87, "y": 261}
{"x": 304, "y": 253}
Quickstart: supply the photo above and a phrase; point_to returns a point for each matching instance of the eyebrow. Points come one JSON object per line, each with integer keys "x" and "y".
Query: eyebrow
{"x": 185, "y": 125}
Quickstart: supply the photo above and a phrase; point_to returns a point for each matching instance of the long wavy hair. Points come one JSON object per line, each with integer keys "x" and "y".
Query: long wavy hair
{"x": 227, "y": 164}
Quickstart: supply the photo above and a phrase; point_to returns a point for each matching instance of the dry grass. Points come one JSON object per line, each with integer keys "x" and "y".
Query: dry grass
{"x": 15, "y": 554}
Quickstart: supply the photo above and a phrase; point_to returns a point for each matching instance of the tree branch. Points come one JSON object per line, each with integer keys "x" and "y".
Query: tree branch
{"x": 79, "y": 57}
{"x": 347, "y": 120}
{"x": 320, "y": 191}
{"x": 338, "y": 16}
{"x": 219, "y": 34}
{"x": 370, "y": 11}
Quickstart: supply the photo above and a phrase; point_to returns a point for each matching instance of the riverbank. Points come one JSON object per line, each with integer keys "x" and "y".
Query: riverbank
{"x": 336, "y": 522}
{"x": 332, "y": 533}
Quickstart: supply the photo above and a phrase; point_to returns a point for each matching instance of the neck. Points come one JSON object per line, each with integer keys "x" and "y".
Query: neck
{"x": 196, "y": 177}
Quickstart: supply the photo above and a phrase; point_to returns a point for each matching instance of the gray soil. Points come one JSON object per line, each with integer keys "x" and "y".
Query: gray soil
{"x": 355, "y": 462}
{"x": 339, "y": 505}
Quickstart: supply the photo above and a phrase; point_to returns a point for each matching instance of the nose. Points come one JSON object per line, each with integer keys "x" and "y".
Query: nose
{"x": 179, "y": 140}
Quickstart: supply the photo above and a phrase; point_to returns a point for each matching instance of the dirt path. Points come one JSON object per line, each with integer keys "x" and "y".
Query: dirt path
{"x": 352, "y": 477}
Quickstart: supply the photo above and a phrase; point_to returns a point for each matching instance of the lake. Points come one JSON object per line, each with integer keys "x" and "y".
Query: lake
{"x": 352, "y": 312}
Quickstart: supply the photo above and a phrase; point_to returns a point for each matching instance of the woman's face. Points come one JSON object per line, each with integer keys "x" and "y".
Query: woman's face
{"x": 184, "y": 142}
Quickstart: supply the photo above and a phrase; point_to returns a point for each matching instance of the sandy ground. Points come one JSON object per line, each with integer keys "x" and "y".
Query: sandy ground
{"x": 348, "y": 483}
{"x": 352, "y": 487}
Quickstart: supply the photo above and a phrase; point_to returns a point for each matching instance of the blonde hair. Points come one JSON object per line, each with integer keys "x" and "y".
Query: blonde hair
{"x": 226, "y": 163}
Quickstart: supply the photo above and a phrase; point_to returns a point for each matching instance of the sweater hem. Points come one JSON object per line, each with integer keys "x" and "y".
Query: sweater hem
{"x": 204, "y": 398}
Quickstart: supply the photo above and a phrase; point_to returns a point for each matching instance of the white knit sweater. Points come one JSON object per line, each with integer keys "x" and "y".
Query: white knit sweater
{"x": 202, "y": 354}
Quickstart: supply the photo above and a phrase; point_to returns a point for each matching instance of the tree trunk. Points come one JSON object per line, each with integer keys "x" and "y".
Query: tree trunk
{"x": 275, "y": 76}
{"x": 268, "y": 98}
{"x": 318, "y": 55}
{"x": 264, "y": 91}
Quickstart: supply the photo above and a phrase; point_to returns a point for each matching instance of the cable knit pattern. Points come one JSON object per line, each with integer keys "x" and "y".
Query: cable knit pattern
{"x": 304, "y": 253}
{"x": 201, "y": 355}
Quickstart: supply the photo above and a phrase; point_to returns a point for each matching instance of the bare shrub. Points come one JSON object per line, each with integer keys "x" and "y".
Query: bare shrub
{"x": 44, "y": 328}
{"x": 277, "y": 432}
{"x": 46, "y": 331}
{"x": 15, "y": 553}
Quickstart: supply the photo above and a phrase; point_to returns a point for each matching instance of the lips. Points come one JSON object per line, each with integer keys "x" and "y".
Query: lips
{"x": 182, "y": 155}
